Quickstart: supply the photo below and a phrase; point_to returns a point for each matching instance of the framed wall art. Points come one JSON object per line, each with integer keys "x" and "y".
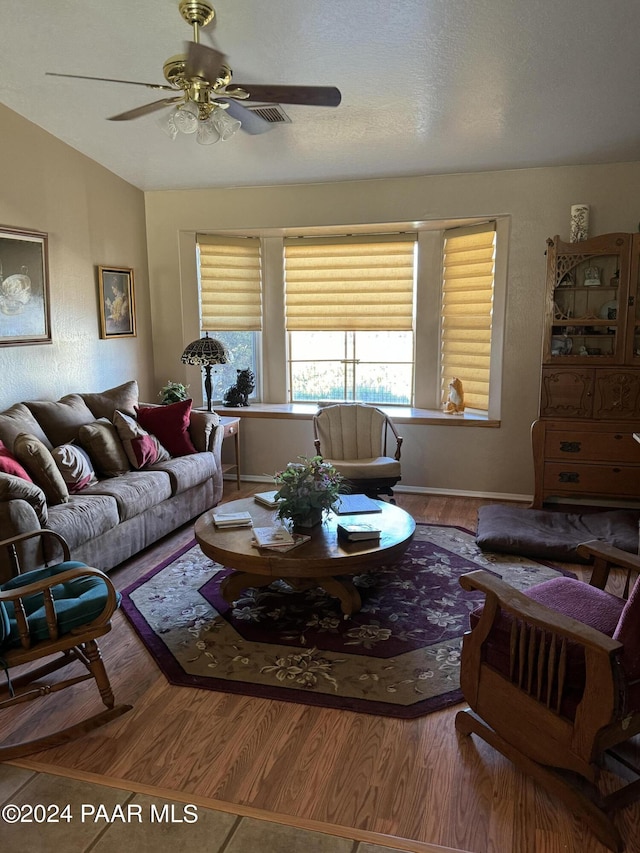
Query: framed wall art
{"x": 24, "y": 287}
{"x": 117, "y": 302}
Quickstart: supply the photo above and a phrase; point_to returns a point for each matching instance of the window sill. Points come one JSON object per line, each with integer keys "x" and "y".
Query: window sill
{"x": 398, "y": 414}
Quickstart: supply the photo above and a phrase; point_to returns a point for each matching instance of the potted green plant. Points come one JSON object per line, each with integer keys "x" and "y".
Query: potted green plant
{"x": 173, "y": 392}
{"x": 308, "y": 489}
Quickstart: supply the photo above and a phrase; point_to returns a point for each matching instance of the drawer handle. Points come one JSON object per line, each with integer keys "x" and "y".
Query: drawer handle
{"x": 618, "y": 436}
{"x": 616, "y": 470}
{"x": 570, "y": 446}
{"x": 569, "y": 477}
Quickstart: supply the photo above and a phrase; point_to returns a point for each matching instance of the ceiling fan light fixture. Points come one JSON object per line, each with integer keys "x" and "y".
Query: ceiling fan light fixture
{"x": 207, "y": 132}
{"x": 166, "y": 122}
{"x": 186, "y": 117}
{"x": 225, "y": 124}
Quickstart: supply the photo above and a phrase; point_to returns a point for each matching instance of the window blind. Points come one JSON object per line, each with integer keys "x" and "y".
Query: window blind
{"x": 230, "y": 283}
{"x": 350, "y": 283}
{"x": 467, "y": 309}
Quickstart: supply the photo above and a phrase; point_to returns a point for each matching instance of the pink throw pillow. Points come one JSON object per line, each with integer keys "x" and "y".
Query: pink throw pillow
{"x": 170, "y": 425}
{"x": 10, "y": 465}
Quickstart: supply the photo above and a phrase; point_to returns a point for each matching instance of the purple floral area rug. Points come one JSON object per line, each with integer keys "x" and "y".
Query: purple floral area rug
{"x": 399, "y": 656}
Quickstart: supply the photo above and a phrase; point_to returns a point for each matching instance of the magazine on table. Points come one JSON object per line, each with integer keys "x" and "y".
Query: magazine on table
{"x": 356, "y": 504}
{"x": 267, "y": 499}
{"x": 358, "y": 532}
{"x": 232, "y": 519}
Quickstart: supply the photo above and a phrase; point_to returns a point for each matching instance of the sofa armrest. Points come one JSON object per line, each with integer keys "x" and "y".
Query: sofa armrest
{"x": 17, "y": 517}
{"x": 203, "y": 427}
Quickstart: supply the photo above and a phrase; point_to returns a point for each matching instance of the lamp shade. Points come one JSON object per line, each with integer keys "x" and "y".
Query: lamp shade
{"x": 205, "y": 351}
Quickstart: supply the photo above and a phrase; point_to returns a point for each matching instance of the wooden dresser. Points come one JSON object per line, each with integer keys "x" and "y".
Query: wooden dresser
{"x": 583, "y": 442}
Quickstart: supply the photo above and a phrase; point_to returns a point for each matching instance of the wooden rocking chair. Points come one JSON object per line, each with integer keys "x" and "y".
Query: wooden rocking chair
{"x": 56, "y": 610}
{"x": 552, "y": 678}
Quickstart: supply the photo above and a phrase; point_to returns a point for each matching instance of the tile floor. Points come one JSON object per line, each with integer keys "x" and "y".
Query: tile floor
{"x": 77, "y": 816}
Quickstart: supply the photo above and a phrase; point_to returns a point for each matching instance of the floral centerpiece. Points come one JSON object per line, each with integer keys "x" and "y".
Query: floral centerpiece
{"x": 308, "y": 489}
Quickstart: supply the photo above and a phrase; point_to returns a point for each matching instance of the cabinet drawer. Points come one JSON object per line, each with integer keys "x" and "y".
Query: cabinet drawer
{"x": 613, "y": 480}
{"x": 591, "y": 446}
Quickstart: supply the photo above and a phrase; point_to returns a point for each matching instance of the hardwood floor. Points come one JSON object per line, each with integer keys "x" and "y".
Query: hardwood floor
{"x": 409, "y": 778}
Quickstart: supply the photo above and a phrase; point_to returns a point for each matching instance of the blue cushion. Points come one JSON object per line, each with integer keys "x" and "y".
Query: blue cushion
{"x": 77, "y": 602}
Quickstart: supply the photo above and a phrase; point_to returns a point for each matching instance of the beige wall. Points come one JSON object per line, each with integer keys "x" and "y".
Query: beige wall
{"x": 92, "y": 218}
{"x": 537, "y": 201}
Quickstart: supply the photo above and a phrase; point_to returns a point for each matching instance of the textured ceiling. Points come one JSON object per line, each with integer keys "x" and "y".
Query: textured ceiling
{"x": 428, "y": 86}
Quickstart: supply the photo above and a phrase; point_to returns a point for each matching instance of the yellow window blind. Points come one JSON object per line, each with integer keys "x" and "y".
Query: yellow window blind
{"x": 230, "y": 283}
{"x": 350, "y": 283}
{"x": 467, "y": 309}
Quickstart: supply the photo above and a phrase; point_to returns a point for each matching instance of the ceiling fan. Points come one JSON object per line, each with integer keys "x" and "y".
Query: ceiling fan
{"x": 204, "y": 99}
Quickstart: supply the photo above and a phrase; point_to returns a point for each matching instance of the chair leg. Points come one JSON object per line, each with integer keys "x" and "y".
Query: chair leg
{"x": 95, "y": 664}
{"x": 584, "y": 801}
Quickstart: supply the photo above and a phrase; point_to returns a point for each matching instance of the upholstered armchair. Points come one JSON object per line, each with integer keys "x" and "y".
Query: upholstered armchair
{"x": 552, "y": 678}
{"x": 353, "y": 437}
{"x": 53, "y": 615}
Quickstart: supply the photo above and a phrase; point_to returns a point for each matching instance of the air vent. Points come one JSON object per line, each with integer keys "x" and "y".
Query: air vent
{"x": 270, "y": 112}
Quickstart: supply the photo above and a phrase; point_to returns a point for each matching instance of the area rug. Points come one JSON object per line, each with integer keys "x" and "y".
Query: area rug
{"x": 399, "y": 656}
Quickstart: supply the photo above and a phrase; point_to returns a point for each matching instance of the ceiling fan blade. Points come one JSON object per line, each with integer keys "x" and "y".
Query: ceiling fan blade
{"x": 249, "y": 121}
{"x": 146, "y": 108}
{"x": 203, "y": 62}
{"x": 110, "y": 80}
{"x": 314, "y": 96}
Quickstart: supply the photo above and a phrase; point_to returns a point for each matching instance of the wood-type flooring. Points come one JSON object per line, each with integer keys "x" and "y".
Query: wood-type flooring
{"x": 414, "y": 779}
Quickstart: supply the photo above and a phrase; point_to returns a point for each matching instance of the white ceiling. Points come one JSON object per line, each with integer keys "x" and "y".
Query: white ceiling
{"x": 428, "y": 86}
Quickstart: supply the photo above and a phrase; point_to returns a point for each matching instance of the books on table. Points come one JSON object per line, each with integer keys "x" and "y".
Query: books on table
{"x": 358, "y": 531}
{"x": 278, "y": 538}
{"x": 267, "y": 499}
{"x": 356, "y": 504}
{"x": 232, "y": 519}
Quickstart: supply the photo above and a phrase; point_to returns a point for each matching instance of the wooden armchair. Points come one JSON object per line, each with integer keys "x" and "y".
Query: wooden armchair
{"x": 56, "y": 611}
{"x": 552, "y": 678}
{"x": 353, "y": 438}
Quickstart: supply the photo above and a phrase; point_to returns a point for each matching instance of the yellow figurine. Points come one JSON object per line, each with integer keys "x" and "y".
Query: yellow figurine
{"x": 455, "y": 400}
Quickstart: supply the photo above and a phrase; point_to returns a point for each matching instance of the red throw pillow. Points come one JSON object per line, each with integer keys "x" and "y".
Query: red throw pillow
{"x": 170, "y": 425}
{"x": 10, "y": 465}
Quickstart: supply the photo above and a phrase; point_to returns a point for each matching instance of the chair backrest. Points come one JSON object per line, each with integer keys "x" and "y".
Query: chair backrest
{"x": 351, "y": 431}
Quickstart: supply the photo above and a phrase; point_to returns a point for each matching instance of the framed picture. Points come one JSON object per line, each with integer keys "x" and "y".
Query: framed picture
{"x": 117, "y": 302}
{"x": 24, "y": 288}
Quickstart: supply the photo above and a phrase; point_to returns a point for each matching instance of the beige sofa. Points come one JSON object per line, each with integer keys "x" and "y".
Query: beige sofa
{"x": 120, "y": 502}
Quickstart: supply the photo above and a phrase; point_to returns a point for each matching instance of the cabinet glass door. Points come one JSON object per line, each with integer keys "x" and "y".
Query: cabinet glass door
{"x": 590, "y": 282}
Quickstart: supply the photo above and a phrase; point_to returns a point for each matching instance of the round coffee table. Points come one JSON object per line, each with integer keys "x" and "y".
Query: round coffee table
{"x": 323, "y": 561}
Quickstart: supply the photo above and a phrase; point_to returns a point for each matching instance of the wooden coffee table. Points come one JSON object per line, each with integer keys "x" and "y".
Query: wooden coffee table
{"x": 323, "y": 561}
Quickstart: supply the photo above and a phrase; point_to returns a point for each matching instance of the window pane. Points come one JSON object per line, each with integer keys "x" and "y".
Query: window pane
{"x": 242, "y": 348}
{"x": 318, "y": 380}
{"x": 384, "y": 346}
{"x": 373, "y": 367}
{"x": 384, "y": 383}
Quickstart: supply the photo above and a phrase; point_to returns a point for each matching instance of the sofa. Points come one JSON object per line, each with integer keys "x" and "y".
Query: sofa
{"x": 109, "y": 474}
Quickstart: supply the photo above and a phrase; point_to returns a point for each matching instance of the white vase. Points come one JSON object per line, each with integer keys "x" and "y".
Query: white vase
{"x": 579, "y": 223}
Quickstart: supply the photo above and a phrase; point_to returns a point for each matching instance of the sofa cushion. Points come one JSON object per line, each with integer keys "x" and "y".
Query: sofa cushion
{"x": 75, "y": 466}
{"x": 170, "y": 425}
{"x": 39, "y": 462}
{"x": 102, "y": 442}
{"x": 104, "y": 403}
{"x": 19, "y": 419}
{"x": 10, "y": 465}
{"x": 187, "y": 471}
{"x": 135, "y": 491}
{"x": 142, "y": 448}
{"x": 83, "y": 517}
{"x": 61, "y": 420}
{"x": 16, "y": 489}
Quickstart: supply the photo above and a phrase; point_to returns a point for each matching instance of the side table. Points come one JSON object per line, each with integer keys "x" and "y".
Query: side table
{"x": 232, "y": 428}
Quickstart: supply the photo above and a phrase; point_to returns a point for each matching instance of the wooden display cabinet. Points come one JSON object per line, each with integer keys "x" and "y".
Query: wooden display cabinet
{"x": 590, "y": 370}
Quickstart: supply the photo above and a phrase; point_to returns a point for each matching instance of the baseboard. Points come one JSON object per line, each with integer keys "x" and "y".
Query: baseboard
{"x": 420, "y": 490}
